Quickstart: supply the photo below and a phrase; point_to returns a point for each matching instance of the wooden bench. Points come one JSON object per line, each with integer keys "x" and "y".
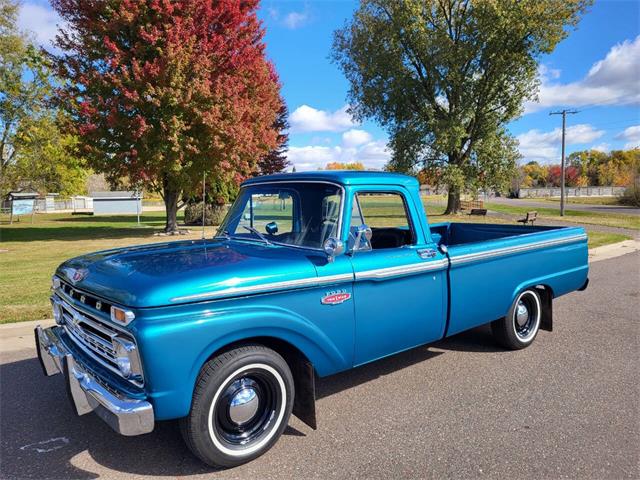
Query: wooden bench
{"x": 529, "y": 219}
{"x": 471, "y": 204}
{"x": 478, "y": 211}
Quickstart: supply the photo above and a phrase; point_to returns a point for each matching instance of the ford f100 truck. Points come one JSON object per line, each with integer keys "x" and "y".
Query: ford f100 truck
{"x": 310, "y": 274}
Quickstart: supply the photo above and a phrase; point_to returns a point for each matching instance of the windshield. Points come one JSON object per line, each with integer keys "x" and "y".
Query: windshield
{"x": 299, "y": 214}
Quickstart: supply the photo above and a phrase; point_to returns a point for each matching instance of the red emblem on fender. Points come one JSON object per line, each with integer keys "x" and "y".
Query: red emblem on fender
{"x": 335, "y": 298}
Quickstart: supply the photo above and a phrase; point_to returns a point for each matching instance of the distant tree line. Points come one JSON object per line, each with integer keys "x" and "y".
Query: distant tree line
{"x": 585, "y": 168}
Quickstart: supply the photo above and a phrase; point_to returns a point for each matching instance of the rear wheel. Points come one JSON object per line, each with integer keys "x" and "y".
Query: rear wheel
{"x": 520, "y": 326}
{"x": 241, "y": 405}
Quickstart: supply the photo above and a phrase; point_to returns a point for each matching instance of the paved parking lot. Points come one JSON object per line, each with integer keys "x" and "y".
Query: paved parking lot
{"x": 567, "y": 407}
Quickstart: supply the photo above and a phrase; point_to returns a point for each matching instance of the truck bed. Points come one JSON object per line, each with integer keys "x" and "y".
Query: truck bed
{"x": 451, "y": 234}
{"x": 490, "y": 263}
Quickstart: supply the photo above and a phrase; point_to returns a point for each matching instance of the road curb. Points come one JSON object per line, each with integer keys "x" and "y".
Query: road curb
{"x": 613, "y": 250}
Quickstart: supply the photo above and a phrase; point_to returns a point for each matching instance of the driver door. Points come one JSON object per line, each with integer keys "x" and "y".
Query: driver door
{"x": 400, "y": 283}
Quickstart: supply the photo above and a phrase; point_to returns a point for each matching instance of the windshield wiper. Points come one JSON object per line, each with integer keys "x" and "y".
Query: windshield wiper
{"x": 224, "y": 234}
{"x": 255, "y": 230}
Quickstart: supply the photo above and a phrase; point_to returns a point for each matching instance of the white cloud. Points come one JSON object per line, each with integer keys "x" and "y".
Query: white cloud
{"x": 291, "y": 20}
{"x": 631, "y": 135}
{"x": 40, "y": 21}
{"x": 309, "y": 119}
{"x": 354, "y": 137}
{"x": 602, "y": 147}
{"x": 544, "y": 147}
{"x": 295, "y": 20}
{"x": 372, "y": 153}
{"x": 610, "y": 81}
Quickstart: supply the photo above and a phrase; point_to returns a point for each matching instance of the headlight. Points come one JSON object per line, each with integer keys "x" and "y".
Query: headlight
{"x": 57, "y": 312}
{"x": 55, "y": 282}
{"x": 127, "y": 358}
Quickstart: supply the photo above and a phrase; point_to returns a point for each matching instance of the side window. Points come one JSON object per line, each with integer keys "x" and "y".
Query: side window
{"x": 387, "y": 216}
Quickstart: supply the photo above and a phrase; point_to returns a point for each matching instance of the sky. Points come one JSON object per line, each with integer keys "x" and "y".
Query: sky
{"x": 596, "y": 71}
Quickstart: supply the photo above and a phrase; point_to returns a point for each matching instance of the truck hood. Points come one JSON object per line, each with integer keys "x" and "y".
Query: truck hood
{"x": 185, "y": 271}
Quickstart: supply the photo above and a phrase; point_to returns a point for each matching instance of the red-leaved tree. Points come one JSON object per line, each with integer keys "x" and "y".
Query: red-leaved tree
{"x": 161, "y": 90}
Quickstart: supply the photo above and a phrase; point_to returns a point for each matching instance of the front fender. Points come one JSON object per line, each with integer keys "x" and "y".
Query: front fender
{"x": 174, "y": 347}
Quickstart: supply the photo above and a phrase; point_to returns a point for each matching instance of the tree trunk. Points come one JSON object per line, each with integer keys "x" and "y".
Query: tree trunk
{"x": 453, "y": 201}
{"x": 170, "y": 195}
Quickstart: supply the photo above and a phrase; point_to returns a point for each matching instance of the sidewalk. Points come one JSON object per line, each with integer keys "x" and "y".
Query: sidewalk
{"x": 20, "y": 336}
{"x": 614, "y": 250}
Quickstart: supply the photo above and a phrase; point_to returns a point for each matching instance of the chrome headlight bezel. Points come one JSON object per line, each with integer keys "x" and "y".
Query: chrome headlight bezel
{"x": 57, "y": 312}
{"x": 127, "y": 358}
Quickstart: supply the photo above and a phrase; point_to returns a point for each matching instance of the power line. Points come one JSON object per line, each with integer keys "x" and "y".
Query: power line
{"x": 564, "y": 129}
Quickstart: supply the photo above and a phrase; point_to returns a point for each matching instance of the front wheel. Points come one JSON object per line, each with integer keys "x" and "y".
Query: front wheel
{"x": 241, "y": 405}
{"x": 520, "y": 326}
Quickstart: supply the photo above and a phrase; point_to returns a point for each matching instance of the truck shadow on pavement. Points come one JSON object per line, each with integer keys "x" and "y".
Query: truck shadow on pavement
{"x": 42, "y": 437}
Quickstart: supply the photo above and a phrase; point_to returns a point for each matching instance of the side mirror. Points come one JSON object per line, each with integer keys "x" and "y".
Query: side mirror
{"x": 366, "y": 231}
{"x": 271, "y": 228}
{"x": 362, "y": 231}
{"x": 333, "y": 247}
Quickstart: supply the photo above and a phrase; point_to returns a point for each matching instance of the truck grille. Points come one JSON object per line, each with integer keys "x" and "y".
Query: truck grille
{"x": 91, "y": 334}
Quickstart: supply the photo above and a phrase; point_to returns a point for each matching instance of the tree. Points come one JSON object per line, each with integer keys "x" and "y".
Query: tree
{"x": 161, "y": 91}
{"x": 444, "y": 77}
{"x": 344, "y": 166}
{"x": 47, "y": 160}
{"x": 534, "y": 175}
{"x": 276, "y": 160}
{"x": 618, "y": 167}
{"x": 24, "y": 86}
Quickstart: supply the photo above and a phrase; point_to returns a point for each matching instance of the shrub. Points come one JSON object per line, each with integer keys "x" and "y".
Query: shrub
{"x": 214, "y": 214}
{"x": 631, "y": 195}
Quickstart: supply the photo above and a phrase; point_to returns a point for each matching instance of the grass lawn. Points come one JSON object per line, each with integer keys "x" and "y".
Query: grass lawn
{"x": 580, "y": 200}
{"x": 576, "y": 216}
{"x": 598, "y": 239}
{"x": 29, "y": 253}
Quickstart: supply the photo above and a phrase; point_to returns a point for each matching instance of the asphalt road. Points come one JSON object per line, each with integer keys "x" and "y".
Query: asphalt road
{"x": 567, "y": 407}
{"x": 523, "y": 202}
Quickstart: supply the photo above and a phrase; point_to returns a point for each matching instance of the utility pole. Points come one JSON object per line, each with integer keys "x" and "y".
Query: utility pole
{"x": 562, "y": 164}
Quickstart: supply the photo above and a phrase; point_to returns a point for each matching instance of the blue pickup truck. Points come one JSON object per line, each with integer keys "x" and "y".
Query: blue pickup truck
{"x": 310, "y": 274}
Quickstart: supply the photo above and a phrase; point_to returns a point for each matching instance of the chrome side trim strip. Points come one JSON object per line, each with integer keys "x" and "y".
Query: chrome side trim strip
{"x": 267, "y": 287}
{"x": 382, "y": 273}
{"x": 498, "y": 252}
{"x": 375, "y": 274}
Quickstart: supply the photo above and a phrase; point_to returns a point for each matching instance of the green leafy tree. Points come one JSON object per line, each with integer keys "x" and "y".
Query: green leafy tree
{"x": 47, "y": 159}
{"x": 444, "y": 77}
{"x": 24, "y": 87}
{"x": 276, "y": 160}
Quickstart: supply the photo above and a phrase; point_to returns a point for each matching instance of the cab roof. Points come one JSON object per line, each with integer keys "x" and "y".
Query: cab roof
{"x": 342, "y": 177}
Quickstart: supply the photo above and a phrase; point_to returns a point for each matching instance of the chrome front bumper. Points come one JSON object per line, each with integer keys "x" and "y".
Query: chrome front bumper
{"x": 127, "y": 416}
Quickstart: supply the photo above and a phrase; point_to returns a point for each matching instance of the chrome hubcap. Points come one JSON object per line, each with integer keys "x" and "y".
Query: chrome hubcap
{"x": 243, "y": 406}
{"x": 245, "y": 411}
{"x": 522, "y": 314}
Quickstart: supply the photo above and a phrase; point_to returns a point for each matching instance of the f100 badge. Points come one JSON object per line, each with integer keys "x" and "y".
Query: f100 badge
{"x": 335, "y": 298}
